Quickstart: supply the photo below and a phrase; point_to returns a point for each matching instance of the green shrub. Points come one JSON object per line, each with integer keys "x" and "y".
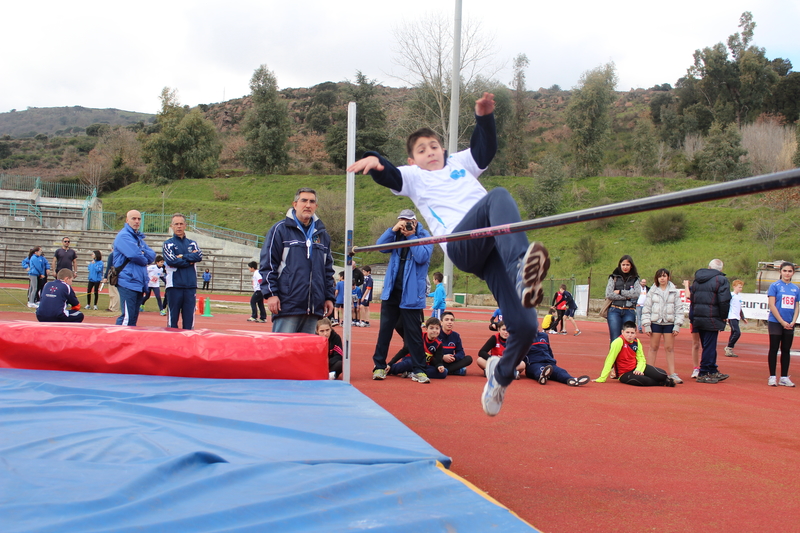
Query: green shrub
{"x": 587, "y": 249}
{"x": 665, "y": 227}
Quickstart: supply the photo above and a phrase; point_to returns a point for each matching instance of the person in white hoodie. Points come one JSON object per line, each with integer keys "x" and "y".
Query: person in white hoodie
{"x": 662, "y": 316}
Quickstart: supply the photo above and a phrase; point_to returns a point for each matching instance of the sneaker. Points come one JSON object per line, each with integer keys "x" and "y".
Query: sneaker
{"x": 163, "y": 312}
{"x": 141, "y": 308}
{"x": 669, "y": 382}
{"x": 261, "y": 320}
{"x": 675, "y": 378}
{"x": 379, "y": 373}
{"x": 95, "y": 308}
{"x": 583, "y": 380}
{"x": 577, "y": 333}
{"x": 708, "y": 378}
{"x": 420, "y": 377}
{"x": 547, "y": 371}
{"x": 252, "y": 319}
{"x": 459, "y": 372}
{"x": 729, "y": 352}
{"x": 552, "y": 332}
{"x": 516, "y": 374}
{"x": 331, "y": 375}
{"x": 719, "y": 376}
{"x": 366, "y": 324}
{"x": 695, "y": 372}
{"x": 493, "y": 392}
{"x": 31, "y": 305}
{"x": 405, "y": 375}
{"x": 773, "y": 381}
{"x": 334, "y": 322}
{"x": 785, "y": 382}
{"x": 532, "y": 271}
{"x": 562, "y": 332}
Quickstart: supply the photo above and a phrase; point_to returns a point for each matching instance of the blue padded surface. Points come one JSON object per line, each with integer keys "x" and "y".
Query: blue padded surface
{"x": 109, "y": 452}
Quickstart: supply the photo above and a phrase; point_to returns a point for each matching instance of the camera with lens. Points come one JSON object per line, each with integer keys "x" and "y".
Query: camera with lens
{"x": 409, "y": 226}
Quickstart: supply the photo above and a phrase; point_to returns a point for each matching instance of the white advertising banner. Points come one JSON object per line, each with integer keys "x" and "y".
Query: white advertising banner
{"x": 754, "y": 306}
{"x": 581, "y": 297}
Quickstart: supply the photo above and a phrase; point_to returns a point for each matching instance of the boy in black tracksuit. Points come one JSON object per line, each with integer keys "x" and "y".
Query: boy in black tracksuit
{"x": 541, "y": 365}
{"x": 434, "y": 353}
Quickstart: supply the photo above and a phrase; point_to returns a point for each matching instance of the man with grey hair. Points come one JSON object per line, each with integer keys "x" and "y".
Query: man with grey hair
{"x": 710, "y": 303}
{"x": 297, "y": 268}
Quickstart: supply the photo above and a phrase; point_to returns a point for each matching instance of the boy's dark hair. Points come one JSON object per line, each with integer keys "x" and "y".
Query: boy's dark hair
{"x": 252, "y": 264}
{"x": 98, "y": 256}
{"x": 366, "y": 268}
{"x": 420, "y": 133}
{"x": 448, "y": 313}
{"x": 159, "y": 258}
{"x": 438, "y": 277}
{"x": 64, "y": 273}
{"x": 433, "y": 321}
{"x": 629, "y": 324}
{"x": 341, "y": 274}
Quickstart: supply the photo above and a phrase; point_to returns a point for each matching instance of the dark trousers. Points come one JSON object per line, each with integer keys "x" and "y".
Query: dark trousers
{"x": 74, "y": 316}
{"x": 39, "y": 286}
{"x": 93, "y": 286}
{"x": 496, "y": 260}
{"x": 735, "y": 333}
{"x": 205, "y": 285}
{"x": 181, "y": 302}
{"x": 652, "y": 377}
{"x": 458, "y": 364}
{"x": 708, "y": 360}
{"x": 779, "y": 337}
{"x": 559, "y": 320}
{"x": 390, "y": 314}
{"x": 129, "y": 302}
{"x": 257, "y": 302}
{"x": 157, "y": 292}
{"x": 534, "y": 370}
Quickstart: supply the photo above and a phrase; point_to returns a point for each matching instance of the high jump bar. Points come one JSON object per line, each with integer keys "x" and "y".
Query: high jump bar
{"x": 707, "y": 193}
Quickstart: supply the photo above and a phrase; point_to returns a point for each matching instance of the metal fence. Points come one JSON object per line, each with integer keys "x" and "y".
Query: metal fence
{"x": 22, "y": 209}
{"x": 49, "y": 189}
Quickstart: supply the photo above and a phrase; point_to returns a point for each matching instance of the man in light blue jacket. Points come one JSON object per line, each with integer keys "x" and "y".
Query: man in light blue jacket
{"x": 131, "y": 257}
{"x": 403, "y": 296}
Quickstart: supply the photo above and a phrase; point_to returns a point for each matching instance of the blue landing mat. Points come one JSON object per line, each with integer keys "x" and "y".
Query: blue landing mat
{"x": 106, "y": 452}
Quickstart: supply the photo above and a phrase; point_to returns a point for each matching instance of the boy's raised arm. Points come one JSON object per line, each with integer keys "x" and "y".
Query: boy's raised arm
{"x": 382, "y": 171}
{"x": 483, "y": 143}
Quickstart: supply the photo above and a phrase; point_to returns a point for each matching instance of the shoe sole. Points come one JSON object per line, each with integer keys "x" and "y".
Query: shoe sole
{"x": 583, "y": 380}
{"x": 378, "y": 377}
{"x": 545, "y": 375}
{"x": 536, "y": 263}
{"x": 785, "y": 384}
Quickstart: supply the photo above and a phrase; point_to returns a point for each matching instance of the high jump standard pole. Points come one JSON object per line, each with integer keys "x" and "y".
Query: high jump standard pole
{"x": 717, "y": 191}
{"x": 348, "y": 228}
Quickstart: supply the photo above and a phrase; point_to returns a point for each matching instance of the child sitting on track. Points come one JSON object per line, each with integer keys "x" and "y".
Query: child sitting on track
{"x": 434, "y": 354}
{"x": 56, "y": 296}
{"x": 335, "y": 352}
{"x": 495, "y": 346}
{"x": 541, "y": 365}
{"x": 627, "y": 358}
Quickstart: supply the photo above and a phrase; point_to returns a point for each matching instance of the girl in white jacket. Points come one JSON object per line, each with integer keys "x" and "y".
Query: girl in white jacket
{"x": 662, "y": 316}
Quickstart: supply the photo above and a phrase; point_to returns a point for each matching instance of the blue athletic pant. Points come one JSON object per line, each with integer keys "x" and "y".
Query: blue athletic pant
{"x": 129, "y": 302}
{"x": 181, "y": 302}
{"x": 496, "y": 260}
{"x": 708, "y": 360}
{"x": 534, "y": 370}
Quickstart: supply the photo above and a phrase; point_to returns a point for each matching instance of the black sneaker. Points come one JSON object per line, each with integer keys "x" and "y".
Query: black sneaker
{"x": 545, "y": 375}
{"x": 719, "y": 376}
{"x": 708, "y": 378}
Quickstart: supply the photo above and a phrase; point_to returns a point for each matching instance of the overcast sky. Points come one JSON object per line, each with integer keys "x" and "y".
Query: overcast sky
{"x": 117, "y": 54}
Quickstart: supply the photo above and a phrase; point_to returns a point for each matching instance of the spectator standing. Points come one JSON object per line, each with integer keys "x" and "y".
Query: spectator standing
{"x": 640, "y": 303}
{"x": 783, "y": 306}
{"x": 623, "y": 290}
{"x": 366, "y": 297}
{"x": 95, "y": 278}
{"x": 403, "y": 296}
{"x": 37, "y": 267}
{"x": 297, "y": 268}
{"x": 734, "y": 315}
{"x": 113, "y": 293}
{"x": 711, "y": 301}
{"x": 206, "y": 279}
{"x": 154, "y": 272}
{"x": 66, "y": 257}
{"x": 257, "y": 311}
{"x": 131, "y": 257}
{"x": 181, "y": 254}
{"x": 663, "y": 317}
{"x": 438, "y": 295}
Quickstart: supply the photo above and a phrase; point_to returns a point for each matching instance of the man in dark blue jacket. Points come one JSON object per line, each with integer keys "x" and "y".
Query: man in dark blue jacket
{"x": 181, "y": 254}
{"x": 131, "y": 257}
{"x": 297, "y": 268}
{"x": 404, "y": 293}
{"x": 708, "y": 311}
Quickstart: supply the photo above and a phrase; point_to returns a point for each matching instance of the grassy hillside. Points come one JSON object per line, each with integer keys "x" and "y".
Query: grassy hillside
{"x": 740, "y": 231}
{"x": 64, "y": 120}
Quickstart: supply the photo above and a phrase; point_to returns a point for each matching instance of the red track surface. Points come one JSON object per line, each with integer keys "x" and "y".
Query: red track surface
{"x": 604, "y": 457}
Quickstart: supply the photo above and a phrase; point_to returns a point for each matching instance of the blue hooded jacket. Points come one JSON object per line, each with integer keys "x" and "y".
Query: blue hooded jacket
{"x": 38, "y": 265}
{"x": 415, "y": 274}
{"x": 129, "y": 244}
{"x": 300, "y": 276}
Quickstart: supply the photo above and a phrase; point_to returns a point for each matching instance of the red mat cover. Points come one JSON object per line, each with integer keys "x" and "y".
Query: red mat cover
{"x": 162, "y": 352}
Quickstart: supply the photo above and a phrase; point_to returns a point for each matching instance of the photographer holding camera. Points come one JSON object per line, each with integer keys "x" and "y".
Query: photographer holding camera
{"x": 404, "y": 293}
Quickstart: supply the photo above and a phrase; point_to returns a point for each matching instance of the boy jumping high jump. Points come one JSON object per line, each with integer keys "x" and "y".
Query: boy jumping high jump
{"x": 448, "y": 194}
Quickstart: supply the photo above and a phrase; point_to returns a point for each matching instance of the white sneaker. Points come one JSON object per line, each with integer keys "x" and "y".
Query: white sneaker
{"x": 331, "y": 375}
{"x": 675, "y": 378}
{"x": 695, "y": 372}
{"x": 32, "y": 305}
{"x": 772, "y": 381}
{"x": 786, "y": 382}
{"x": 95, "y": 308}
{"x": 493, "y": 392}
{"x": 532, "y": 270}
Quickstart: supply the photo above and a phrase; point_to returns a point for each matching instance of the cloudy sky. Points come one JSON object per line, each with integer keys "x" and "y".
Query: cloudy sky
{"x": 112, "y": 54}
